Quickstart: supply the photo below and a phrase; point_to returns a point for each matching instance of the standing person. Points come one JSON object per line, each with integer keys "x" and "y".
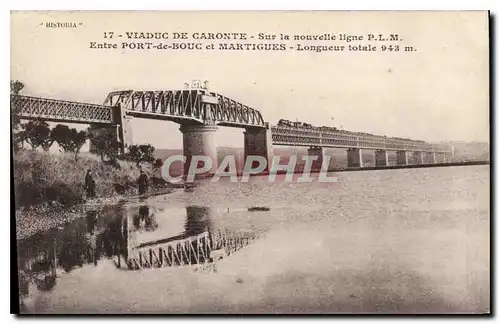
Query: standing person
{"x": 143, "y": 183}
{"x": 89, "y": 184}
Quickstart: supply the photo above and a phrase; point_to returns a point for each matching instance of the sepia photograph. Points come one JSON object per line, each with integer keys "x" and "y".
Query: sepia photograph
{"x": 250, "y": 162}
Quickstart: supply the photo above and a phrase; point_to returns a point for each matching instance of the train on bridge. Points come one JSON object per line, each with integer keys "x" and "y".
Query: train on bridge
{"x": 345, "y": 134}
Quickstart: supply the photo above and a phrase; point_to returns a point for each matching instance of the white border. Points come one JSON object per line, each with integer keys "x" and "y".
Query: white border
{"x": 5, "y": 195}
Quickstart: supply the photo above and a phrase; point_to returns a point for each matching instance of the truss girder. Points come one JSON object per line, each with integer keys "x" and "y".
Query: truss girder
{"x": 186, "y": 104}
{"x": 304, "y": 136}
{"x": 60, "y": 110}
{"x": 229, "y": 111}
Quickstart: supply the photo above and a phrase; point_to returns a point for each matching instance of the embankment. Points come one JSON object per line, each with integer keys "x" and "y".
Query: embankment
{"x": 49, "y": 188}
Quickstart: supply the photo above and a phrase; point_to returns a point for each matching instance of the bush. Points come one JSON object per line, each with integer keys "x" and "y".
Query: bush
{"x": 140, "y": 153}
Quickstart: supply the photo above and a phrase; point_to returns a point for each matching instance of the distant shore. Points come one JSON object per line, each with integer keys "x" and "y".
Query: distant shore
{"x": 413, "y": 166}
{"x": 371, "y": 168}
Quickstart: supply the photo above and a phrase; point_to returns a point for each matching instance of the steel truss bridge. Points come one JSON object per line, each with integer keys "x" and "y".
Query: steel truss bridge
{"x": 198, "y": 106}
{"x": 195, "y": 106}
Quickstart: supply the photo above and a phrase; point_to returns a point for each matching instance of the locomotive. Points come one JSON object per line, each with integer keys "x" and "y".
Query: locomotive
{"x": 288, "y": 123}
{"x": 346, "y": 134}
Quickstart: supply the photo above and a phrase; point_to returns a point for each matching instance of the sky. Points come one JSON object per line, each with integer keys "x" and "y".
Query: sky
{"x": 440, "y": 92}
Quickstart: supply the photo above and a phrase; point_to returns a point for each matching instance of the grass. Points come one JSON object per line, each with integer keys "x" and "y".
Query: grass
{"x": 41, "y": 177}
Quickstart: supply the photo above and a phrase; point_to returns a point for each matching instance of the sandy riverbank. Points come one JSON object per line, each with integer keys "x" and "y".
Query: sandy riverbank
{"x": 30, "y": 221}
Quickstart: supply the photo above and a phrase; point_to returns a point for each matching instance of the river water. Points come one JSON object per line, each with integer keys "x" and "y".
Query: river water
{"x": 386, "y": 241}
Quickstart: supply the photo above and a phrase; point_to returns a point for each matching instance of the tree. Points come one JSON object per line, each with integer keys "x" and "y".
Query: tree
{"x": 37, "y": 133}
{"x": 103, "y": 142}
{"x": 16, "y": 87}
{"x": 18, "y": 139}
{"x": 79, "y": 138}
{"x": 141, "y": 153}
{"x": 61, "y": 134}
{"x": 158, "y": 163}
{"x": 69, "y": 139}
{"x": 17, "y": 134}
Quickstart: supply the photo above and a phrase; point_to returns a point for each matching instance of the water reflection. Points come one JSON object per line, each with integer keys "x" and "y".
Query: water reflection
{"x": 198, "y": 220}
{"x": 144, "y": 219}
{"x": 44, "y": 257}
{"x": 201, "y": 243}
{"x": 111, "y": 233}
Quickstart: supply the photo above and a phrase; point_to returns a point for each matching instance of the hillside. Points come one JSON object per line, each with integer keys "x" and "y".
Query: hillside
{"x": 41, "y": 177}
{"x": 471, "y": 151}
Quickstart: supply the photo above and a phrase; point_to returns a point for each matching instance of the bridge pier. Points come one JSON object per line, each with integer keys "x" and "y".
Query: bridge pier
{"x": 316, "y": 151}
{"x": 198, "y": 140}
{"x": 381, "y": 158}
{"x": 418, "y": 157}
{"x": 401, "y": 157}
{"x": 428, "y": 157}
{"x": 198, "y": 220}
{"x": 123, "y": 124}
{"x": 354, "y": 158}
{"x": 125, "y": 138}
{"x": 258, "y": 142}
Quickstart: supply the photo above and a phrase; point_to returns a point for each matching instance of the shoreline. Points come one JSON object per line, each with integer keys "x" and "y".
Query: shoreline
{"x": 370, "y": 168}
{"x": 390, "y": 167}
{"x": 416, "y": 166}
{"x": 33, "y": 220}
